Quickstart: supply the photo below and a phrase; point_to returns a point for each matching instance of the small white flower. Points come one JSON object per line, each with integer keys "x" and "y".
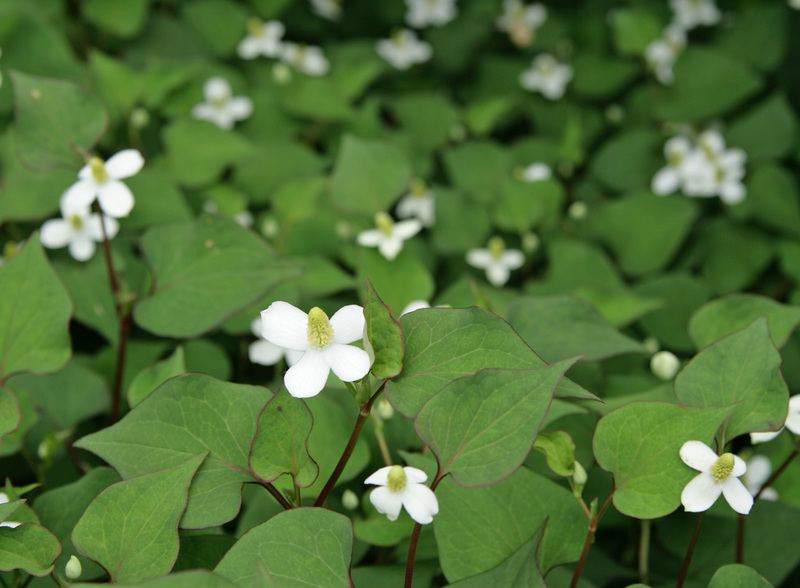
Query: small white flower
{"x": 403, "y": 487}
{"x": 670, "y": 178}
{"x": 263, "y": 352}
{"x": 520, "y": 21}
{"x": 792, "y": 423}
{"x": 79, "y": 229}
{"x": 307, "y": 59}
{"x": 718, "y": 475}
{"x": 662, "y": 53}
{"x": 664, "y": 365}
{"x": 423, "y": 13}
{"x": 546, "y": 75}
{"x": 688, "y": 14}
{"x": 324, "y": 344}
{"x": 536, "y": 172}
{"x": 220, "y": 107}
{"x": 73, "y": 569}
{"x": 758, "y": 470}
{"x": 404, "y": 49}
{"x": 101, "y": 180}
{"x": 496, "y": 260}
{"x": 10, "y": 524}
{"x": 794, "y": 4}
{"x": 389, "y": 235}
{"x": 330, "y": 9}
{"x": 419, "y": 203}
{"x": 263, "y": 38}
{"x": 415, "y": 305}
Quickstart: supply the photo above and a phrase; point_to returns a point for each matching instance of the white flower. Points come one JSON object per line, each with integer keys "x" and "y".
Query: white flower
{"x": 688, "y": 14}
{"x": 718, "y": 475}
{"x": 423, "y": 13}
{"x": 546, "y": 75}
{"x": 664, "y": 365}
{"x": 792, "y": 423}
{"x": 794, "y": 4}
{"x": 10, "y": 524}
{"x": 323, "y": 342}
{"x": 520, "y": 21}
{"x": 404, "y": 49}
{"x": 79, "y": 229}
{"x": 220, "y": 107}
{"x": 415, "y": 305}
{"x": 536, "y": 172}
{"x": 101, "y": 180}
{"x": 419, "y": 203}
{"x": 389, "y": 235}
{"x": 662, "y": 53}
{"x": 496, "y": 260}
{"x": 670, "y": 178}
{"x": 330, "y": 9}
{"x": 758, "y": 470}
{"x": 305, "y": 58}
{"x": 263, "y": 352}
{"x": 263, "y": 38}
{"x": 403, "y": 487}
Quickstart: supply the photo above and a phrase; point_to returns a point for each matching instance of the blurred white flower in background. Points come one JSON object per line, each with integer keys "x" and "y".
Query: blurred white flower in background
{"x": 662, "y": 53}
{"x": 263, "y": 38}
{"x": 10, "y": 524}
{"x": 330, "y": 9}
{"x": 101, "y": 180}
{"x": 689, "y": 14}
{"x": 419, "y": 203}
{"x": 758, "y": 470}
{"x": 664, "y": 364}
{"x": 547, "y": 76}
{"x": 263, "y": 352}
{"x": 221, "y": 107}
{"x": 308, "y": 59}
{"x": 496, "y": 260}
{"x": 423, "y": 13}
{"x": 415, "y": 305}
{"x": 792, "y": 423}
{"x": 389, "y": 235}
{"x": 404, "y": 49}
{"x": 536, "y": 172}
{"x": 521, "y": 21}
{"x": 79, "y": 229}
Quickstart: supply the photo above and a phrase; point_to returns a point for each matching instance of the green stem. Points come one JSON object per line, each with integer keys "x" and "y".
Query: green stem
{"x": 689, "y": 552}
{"x": 363, "y": 414}
{"x": 55, "y": 580}
{"x": 381, "y": 439}
{"x": 277, "y": 495}
{"x": 644, "y": 552}
{"x": 589, "y": 540}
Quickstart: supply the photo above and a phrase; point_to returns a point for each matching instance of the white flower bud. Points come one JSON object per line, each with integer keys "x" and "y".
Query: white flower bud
{"x": 665, "y": 364}
{"x": 577, "y": 211}
{"x": 139, "y": 118}
{"x": 73, "y": 569}
{"x": 530, "y": 242}
{"x": 281, "y": 73}
{"x": 384, "y": 409}
{"x": 350, "y": 500}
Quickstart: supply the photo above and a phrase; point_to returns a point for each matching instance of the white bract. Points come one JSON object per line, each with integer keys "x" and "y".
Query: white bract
{"x": 263, "y": 352}
{"x": 689, "y": 14}
{"x": 419, "y": 203}
{"x": 322, "y": 345}
{"x": 546, "y": 75}
{"x": 403, "y": 487}
{"x": 10, "y": 524}
{"x": 221, "y": 107}
{"x": 536, "y": 172}
{"x": 496, "y": 260}
{"x": 307, "y": 59}
{"x": 662, "y": 53}
{"x": 718, "y": 475}
{"x": 263, "y": 38}
{"x": 79, "y": 229}
{"x": 423, "y": 13}
{"x": 792, "y": 423}
{"x": 758, "y": 470}
{"x": 520, "y": 21}
{"x": 404, "y": 49}
{"x": 330, "y": 9}
{"x": 389, "y": 235}
{"x": 101, "y": 180}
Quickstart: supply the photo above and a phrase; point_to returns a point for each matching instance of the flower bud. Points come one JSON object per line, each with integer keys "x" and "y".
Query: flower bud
{"x": 530, "y": 242}
{"x": 384, "y": 409}
{"x": 281, "y": 74}
{"x": 139, "y": 118}
{"x": 664, "y": 365}
{"x": 577, "y": 211}
{"x": 73, "y": 569}
{"x": 350, "y": 500}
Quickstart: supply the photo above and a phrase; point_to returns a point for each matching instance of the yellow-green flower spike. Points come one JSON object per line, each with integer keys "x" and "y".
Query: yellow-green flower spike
{"x": 255, "y": 26}
{"x": 397, "y": 478}
{"x": 722, "y": 468}
{"x": 98, "y": 170}
{"x": 76, "y": 222}
{"x": 384, "y": 222}
{"x": 496, "y": 247}
{"x": 419, "y": 188}
{"x": 320, "y": 330}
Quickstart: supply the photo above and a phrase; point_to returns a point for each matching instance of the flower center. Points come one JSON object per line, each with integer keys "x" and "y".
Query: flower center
{"x": 319, "y": 330}
{"x": 98, "y": 170}
{"x": 496, "y": 247}
{"x": 255, "y": 26}
{"x": 76, "y": 222}
{"x": 220, "y": 101}
{"x": 385, "y": 223}
{"x": 419, "y": 188}
{"x": 397, "y": 478}
{"x": 723, "y": 467}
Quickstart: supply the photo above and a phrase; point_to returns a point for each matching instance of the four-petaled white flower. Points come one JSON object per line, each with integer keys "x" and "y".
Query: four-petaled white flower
{"x": 10, "y": 524}
{"x": 263, "y": 38}
{"x": 678, "y": 152}
{"x": 79, "y": 229}
{"x": 419, "y": 203}
{"x": 496, "y": 260}
{"x": 718, "y": 475}
{"x": 323, "y": 342}
{"x": 330, "y": 9}
{"x": 688, "y": 14}
{"x": 220, "y": 107}
{"x": 389, "y": 235}
{"x": 101, "y": 180}
{"x": 404, "y": 49}
{"x": 263, "y": 352}
{"x": 307, "y": 59}
{"x": 423, "y": 13}
{"x": 758, "y": 470}
{"x": 546, "y": 75}
{"x": 792, "y": 423}
{"x": 403, "y": 487}
{"x": 662, "y": 53}
{"x": 520, "y": 21}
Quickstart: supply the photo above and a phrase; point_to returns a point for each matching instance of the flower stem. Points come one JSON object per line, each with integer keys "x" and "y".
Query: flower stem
{"x": 55, "y": 579}
{"x": 379, "y": 437}
{"x": 644, "y": 551}
{"x": 589, "y": 540}
{"x": 689, "y": 552}
{"x": 412, "y": 546}
{"x": 277, "y": 495}
{"x": 363, "y": 414}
